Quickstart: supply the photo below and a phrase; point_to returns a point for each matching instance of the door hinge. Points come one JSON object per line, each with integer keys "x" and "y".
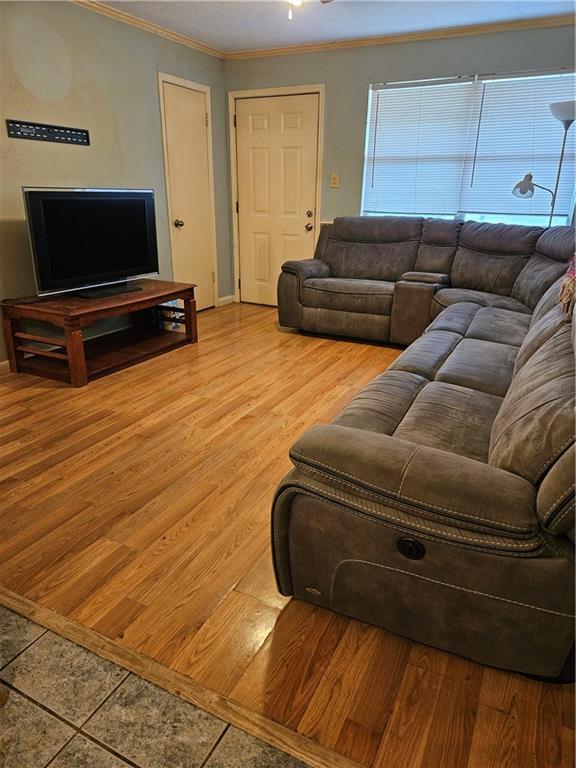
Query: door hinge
{"x": 207, "y": 122}
{"x": 237, "y": 207}
{"x": 239, "y": 283}
{"x": 213, "y": 277}
{"x": 234, "y": 120}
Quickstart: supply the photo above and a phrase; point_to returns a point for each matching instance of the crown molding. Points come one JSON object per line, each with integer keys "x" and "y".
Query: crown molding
{"x": 541, "y": 22}
{"x": 147, "y": 26}
{"x": 410, "y": 37}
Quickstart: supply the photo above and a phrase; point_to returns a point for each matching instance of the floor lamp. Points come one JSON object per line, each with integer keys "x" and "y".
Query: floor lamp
{"x": 565, "y": 112}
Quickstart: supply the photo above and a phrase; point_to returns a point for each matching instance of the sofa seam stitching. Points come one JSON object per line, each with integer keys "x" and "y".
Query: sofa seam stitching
{"x": 295, "y": 489}
{"x": 554, "y": 523}
{"x": 457, "y": 537}
{"x": 445, "y": 584}
{"x": 560, "y": 498}
{"x": 381, "y": 488}
{"x": 379, "y": 497}
{"x": 405, "y": 470}
{"x": 552, "y": 458}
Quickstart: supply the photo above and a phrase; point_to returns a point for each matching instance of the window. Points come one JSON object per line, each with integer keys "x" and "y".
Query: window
{"x": 457, "y": 147}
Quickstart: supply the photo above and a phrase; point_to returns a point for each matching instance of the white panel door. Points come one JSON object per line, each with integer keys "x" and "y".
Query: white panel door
{"x": 277, "y": 157}
{"x": 189, "y": 189}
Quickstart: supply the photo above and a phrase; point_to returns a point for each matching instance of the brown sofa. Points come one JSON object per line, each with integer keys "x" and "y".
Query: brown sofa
{"x": 384, "y": 278}
{"x": 440, "y": 503}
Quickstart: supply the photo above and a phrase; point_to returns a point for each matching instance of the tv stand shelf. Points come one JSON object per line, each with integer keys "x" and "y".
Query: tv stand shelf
{"x": 78, "y": 360}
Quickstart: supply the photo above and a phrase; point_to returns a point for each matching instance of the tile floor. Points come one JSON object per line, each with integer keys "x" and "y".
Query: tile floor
{"x": 64, "y": 707}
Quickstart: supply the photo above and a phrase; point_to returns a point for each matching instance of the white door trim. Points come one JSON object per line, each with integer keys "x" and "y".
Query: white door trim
{"x": 165, "y": 78}
{"x": 293, "y": 90}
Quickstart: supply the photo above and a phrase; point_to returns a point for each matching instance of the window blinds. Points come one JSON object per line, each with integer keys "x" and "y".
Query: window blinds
{"x": 443, "y": 148}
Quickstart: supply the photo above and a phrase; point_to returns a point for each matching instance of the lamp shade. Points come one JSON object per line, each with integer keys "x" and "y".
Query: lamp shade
{"x": 565, "y": 111}
{"x": 525, "y": 188}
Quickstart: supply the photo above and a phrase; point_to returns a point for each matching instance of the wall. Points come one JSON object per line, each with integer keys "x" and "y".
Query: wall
{"x": 347, "y": 74}
{"x": 63, "y": 64}
{"x": 66, "y": 65}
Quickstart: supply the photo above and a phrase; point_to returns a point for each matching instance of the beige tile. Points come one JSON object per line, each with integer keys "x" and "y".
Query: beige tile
{"x": 16, "y": 633}
{"x": 83, "y": 753}
{"x": 64, "y": 677}
{"x": 239, "y": 750}
{"x": 153, "y": 728}
{"x": 29, "y": 736}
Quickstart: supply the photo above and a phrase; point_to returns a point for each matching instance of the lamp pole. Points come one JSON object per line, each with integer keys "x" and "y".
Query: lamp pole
{"x": 566, "y": 124}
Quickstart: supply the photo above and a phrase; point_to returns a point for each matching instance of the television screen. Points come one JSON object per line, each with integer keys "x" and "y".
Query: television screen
{"x": 84, "y": 238}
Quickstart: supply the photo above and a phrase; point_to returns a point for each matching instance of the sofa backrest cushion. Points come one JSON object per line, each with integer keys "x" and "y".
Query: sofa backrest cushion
{"x": 535, "y": 423}
{"x": 548, "y": 301}
{"x": 550, "y": 260}
{"x": 438, "y": 243}
{"x": 491, "y": 256}
{"x": 539, "y": 333}
{"x": 503, "y": 259}
{"x": 371, "y": 248}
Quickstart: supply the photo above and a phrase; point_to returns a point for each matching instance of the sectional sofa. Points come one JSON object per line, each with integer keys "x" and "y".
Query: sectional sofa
{"x": 383, "y": 278}
{"x": 440, "y": 503}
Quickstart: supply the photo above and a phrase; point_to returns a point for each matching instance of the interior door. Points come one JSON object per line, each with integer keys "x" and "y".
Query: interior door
{"x": 277, "y": 157}
{"x": 190, "y": 200}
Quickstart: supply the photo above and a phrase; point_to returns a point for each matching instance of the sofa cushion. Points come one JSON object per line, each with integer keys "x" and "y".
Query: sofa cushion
{"x": 535, "y": 424}
{"x": 491, "y": 256}
{"x": 371, "y": 248}
{"x": 373, "y": 297}
{"x": 483, "y": 365}
{"x": 438, "y": 243}
{"x": 453, "y": 418}
{"x": 381, "y": 405}
{"x": 427, "y": 354}
{"x": 545, "y": 266}
{"x": 447, "y": 296}
{"x": 548, "y": 301}
{"x": 539, "y": 334}
{"x": 456, "y": 318}
{"x": 499, "y": 325}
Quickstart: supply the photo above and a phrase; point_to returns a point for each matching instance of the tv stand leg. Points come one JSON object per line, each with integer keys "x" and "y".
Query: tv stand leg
{"x": 11, "y": 327}
{"x": 190, "y": 320}
{"x": 76, "y": 358}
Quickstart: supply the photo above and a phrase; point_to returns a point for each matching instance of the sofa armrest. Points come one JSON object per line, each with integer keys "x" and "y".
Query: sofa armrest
{"x": 437, "y": 278}
{"x": 412, "y": 306}
{"x": 449, "y": 488}
{"x": 306, "y": 268}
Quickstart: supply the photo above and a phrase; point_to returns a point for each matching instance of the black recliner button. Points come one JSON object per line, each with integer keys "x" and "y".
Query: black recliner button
{"x": 411, "y": 548}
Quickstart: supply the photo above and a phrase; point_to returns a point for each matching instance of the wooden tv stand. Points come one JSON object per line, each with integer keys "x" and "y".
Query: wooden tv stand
{"x": 70, "y": 357}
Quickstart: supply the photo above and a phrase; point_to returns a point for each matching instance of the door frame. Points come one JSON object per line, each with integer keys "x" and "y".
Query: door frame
{"x": 290, "y": 90}
{"x": 163, "y": 77}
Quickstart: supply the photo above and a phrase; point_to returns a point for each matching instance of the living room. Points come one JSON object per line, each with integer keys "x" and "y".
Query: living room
{"x": 291, "y": 483}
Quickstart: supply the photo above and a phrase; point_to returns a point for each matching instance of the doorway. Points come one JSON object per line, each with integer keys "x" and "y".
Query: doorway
{"x": 276, "y": 161}
{"x": 186, "y": 128}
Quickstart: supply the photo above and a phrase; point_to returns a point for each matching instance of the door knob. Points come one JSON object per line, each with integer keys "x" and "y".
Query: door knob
{"x": 178, "y": 223}
{"x": 309, "y": 227}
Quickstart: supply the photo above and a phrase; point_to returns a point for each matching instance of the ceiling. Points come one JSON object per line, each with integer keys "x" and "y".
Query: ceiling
{"x": 235, "y": 25}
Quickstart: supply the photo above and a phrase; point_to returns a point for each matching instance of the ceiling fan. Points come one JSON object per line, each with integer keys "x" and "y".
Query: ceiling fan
{"x": 298, "y": 3}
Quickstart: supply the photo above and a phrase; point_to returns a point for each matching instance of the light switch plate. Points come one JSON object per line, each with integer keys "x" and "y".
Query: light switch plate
{"x": 335, "y": 180}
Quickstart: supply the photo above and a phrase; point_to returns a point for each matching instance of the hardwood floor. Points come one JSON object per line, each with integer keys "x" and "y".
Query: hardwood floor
{"x": 135, "y": 521}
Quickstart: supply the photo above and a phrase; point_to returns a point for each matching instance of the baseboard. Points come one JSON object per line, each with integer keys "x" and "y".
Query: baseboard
{"x": 220, "y": 302}
{"x": 4, "y": 366}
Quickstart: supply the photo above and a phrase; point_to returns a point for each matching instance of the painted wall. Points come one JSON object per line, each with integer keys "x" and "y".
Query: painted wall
{"x": 62, "y": 64}
{"x": 348, "y": 73}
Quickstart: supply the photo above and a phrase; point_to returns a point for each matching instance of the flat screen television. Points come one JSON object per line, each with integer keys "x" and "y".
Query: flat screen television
{"x": 86, "y": 238}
